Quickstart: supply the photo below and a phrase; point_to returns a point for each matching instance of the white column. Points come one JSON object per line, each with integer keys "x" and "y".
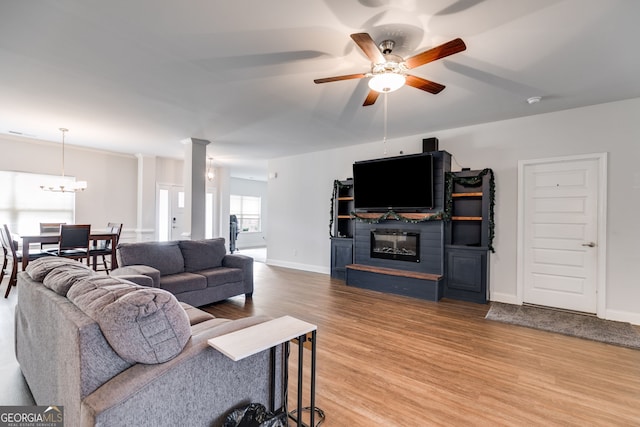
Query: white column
{"x": 195, "y": 169}
{"x": 224, "y": 206}
{"x": 146, "y": 199}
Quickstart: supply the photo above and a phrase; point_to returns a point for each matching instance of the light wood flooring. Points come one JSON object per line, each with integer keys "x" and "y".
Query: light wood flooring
{"x": 386, "y": 360}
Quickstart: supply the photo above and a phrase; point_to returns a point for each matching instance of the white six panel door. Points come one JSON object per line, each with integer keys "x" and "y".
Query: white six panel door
{"x": 560, "y": 234}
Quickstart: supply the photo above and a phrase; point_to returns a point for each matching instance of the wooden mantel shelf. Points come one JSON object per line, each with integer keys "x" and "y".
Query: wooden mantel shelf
{"x": 408, "y": 215}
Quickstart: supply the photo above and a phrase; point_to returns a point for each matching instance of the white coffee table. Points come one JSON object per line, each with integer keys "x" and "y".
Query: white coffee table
{"x": 267, "y": 335}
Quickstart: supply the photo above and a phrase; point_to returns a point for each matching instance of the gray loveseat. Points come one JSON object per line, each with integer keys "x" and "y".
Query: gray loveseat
{"x": 114, "y": 353}
{"x": 197, "y": 272}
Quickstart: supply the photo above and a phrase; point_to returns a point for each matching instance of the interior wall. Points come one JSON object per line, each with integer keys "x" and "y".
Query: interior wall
{"x": 111, "y": 178}
{"x": 299, "y": 196}
{"x": 169, "y": 171}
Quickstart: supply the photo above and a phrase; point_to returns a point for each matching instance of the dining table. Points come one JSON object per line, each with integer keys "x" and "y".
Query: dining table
{"x": 52, "y": 238}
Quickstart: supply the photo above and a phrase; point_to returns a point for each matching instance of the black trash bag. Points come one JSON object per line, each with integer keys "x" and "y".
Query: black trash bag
{"x": 255, "y": 415}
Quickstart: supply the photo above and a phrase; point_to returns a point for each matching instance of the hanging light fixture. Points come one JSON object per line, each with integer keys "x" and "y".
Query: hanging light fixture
{"x": 387, "y": 82}
{"x": 210, "y": 173}
{"x": 390, "y": 75}
{"x": 65, "y": 185}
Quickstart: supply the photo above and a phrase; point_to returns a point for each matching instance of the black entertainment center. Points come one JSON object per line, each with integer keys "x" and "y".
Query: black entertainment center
{"x": 408, "y": 225}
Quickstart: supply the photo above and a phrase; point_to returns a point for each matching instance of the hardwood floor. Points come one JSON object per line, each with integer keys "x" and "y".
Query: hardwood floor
{"x": 386, "y": 360}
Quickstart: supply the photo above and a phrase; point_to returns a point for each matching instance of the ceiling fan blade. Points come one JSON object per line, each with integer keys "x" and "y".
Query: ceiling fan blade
{"x": 338, "y": 78}
{"x": 371, "y": 98}
{"x": 444, "y": 50}
{"x": 368, "y": 46}
{"x": 423, "y": 84}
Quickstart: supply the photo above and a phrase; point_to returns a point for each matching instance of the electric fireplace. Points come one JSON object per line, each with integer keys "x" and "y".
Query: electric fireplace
{"x": 395, "y": 244}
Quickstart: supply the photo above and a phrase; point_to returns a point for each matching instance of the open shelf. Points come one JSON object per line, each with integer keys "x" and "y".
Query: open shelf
{"x": 467, "y": 242}
{"x": 342, "y": 208}
{"x": 342, "y": 229}
{"x": 469, "y": 211}
{"x": 473, "y": 194}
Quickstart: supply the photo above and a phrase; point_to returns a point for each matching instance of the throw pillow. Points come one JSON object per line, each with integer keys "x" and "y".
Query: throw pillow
{"x": 202, "y": 254}
{"x": 165, "y": 257}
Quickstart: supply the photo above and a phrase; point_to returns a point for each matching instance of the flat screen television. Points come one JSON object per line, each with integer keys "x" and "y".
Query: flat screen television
{"x": 403, "y": 183}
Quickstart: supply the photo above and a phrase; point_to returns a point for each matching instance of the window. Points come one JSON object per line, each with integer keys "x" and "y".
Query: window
{"x": 248, "y": 211}
{"x": 23, "y": 204}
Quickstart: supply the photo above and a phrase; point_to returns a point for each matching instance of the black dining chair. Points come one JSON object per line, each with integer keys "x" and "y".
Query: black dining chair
{"x": 9, "y": 247}
{"x": 74, "y": 242}
{"x": 102, "y": 248}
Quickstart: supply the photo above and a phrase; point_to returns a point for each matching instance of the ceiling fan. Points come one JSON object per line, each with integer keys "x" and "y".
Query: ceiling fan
{"x": 389, "y": 71}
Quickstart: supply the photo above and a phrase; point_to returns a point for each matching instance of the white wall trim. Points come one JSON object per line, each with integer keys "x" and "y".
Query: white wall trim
{"x": 505, "y": 298}
{"x": 623, "y": 316}
{"x": 298, "y": 266}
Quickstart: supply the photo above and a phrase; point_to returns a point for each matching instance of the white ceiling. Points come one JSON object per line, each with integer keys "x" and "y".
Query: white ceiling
{"x": 139, "y": 76}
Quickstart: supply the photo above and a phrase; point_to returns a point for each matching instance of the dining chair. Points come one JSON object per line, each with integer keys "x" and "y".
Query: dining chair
{"x": 9, "y": 246}
{"x": 74, "y": 242}
{"x": 5, "y": 256}
{"x": 103, "y": 247}
{"x": 49, "y": 227}
{"x": 6, "y": 252}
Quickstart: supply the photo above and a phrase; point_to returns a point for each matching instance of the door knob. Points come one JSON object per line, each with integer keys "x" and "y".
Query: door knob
{"x": 590, "y": 244}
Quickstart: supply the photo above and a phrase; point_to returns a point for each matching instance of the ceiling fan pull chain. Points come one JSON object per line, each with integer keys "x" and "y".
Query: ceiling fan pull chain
{"x": 384, "y": 140}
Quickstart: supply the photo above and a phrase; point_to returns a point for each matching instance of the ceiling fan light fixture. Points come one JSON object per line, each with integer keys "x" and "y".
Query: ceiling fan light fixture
{"x": 387, "y": 82}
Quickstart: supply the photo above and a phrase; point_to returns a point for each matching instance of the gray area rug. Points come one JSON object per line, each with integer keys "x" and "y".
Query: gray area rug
{"x": 574, "y": 324}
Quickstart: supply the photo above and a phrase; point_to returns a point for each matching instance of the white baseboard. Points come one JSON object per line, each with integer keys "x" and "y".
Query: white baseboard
{"x": 298, "y": 266}
{"x": 623, "y": 316}
{"x": 505, "y": 298}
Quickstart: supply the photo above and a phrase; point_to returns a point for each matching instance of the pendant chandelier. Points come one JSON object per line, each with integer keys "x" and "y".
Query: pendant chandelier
{"x": 210, "y": 173}
{"x": 65, "y": 185}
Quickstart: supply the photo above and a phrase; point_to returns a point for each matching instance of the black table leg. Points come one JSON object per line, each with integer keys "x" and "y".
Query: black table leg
{"x": 301, "y": 340}
{"x": 313, "y": 379}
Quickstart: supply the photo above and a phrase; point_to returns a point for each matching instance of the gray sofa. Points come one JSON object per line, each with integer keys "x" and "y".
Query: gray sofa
{"x": 197, "y": 272}
{"x": 114, "y": 353}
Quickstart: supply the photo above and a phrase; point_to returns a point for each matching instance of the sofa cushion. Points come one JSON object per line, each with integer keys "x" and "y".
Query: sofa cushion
{"x": 183, "y": 282}
{"x": 202, "y": 254}
{"x": 61, "y": 278}
{"x": 222, "y": 275}
{"x": 195, "y": 315}
{"x": 39, "y": 268}
{"x": 143, "y": 325}
{"x": 163, "y": 256}
{"x": 137, "y": 270}
{"x": 138, "y": 279}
